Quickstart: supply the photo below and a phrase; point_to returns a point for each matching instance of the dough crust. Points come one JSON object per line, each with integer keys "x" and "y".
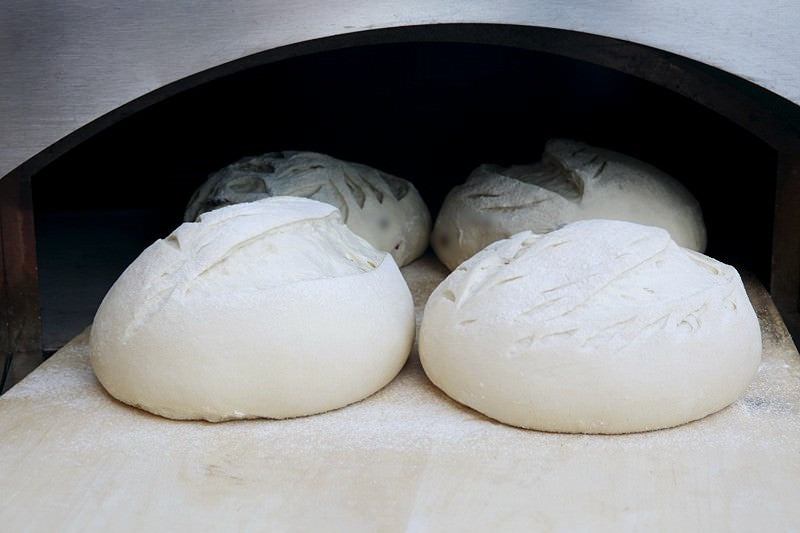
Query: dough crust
{"x": 599, "y": 327}
{"x": 573, "y": 181}
{"x": 385, "y": 210}
{"x": 266, "y": 309}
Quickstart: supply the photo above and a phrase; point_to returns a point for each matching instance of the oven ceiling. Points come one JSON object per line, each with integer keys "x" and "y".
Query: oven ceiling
{"x": 67, "y": 63}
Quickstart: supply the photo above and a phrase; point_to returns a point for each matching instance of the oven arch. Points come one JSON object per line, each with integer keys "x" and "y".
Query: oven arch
{"x": 771, "y": 118}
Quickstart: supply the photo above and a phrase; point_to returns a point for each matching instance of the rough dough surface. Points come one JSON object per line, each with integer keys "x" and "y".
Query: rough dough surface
{"x": 266, "y": 309}
{"x": 599, "y": 327}
{"x": 573, "y": 181}
{"x": 385, "y": 210}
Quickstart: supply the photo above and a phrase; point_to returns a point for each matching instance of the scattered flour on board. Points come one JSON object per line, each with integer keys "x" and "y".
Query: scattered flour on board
{"x": 408, "y": 414}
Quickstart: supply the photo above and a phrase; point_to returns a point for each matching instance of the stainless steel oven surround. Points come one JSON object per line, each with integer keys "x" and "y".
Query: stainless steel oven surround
{"x": 773, "y": 119}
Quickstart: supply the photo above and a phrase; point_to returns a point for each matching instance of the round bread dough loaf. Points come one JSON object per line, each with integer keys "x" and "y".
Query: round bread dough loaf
{"x": 266, "y": 309}
{"x": 599, "y": 327}
{"x": 385, "y": 210}
{"x": 573, "y": 181}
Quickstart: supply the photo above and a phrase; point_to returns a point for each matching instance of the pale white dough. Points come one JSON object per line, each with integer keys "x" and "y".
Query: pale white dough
{"x": 599, "y": 327}
{"x": 573, "y": 181}
{"x": 385, "y": 210}
{"x": 266, "y": 309}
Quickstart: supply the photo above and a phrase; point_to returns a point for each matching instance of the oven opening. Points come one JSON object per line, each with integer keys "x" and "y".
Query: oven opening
{"x": 429, "y": 112}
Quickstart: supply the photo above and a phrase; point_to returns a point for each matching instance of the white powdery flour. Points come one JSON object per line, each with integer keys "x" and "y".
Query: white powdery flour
{"x": 599, "y": 327}
{"x": 573, "y": 181}
{"x": 266, "y": 309}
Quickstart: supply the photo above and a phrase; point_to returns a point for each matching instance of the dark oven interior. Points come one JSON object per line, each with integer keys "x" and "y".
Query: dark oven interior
{"x": 429, "y": 112}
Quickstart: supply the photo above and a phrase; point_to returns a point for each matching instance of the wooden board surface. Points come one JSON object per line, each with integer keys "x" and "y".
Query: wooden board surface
{"x": 407, "y": 458}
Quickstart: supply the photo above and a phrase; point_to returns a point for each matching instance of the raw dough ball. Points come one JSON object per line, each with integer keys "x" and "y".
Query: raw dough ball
{"x": 599, "y": 327}
{"x": 385, "y": 210}
{"x": 573, "y": 181}
{"x": 265, "y": 309}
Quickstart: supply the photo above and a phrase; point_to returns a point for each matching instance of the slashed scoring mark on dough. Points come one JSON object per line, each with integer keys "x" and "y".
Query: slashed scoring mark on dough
{"x": 342, "y": 203}
{"x": 523, "y": 247}
{"x": 153, "y": 303}
{"x": 376, "y": 191}
{"x": 579, "y": 150}
{"x": 692, "y": 319}
{"x": 689, "y": 321}
{"x": 514, "y": 207}
{"x": 306, "y": 192}
{"x": 173, "y": 241}
{"x": 551, "y": 175}
{"x": 559, "y": 287}
{"x": 522, "y": 344}
{"x": 564, "y": 333}
{"x": 659, "y": 323}
{"x": 637, "y": 241}
{"x": 508, "y": 280}
{"x": 449, "y": 295}
{"x": 477, "y": 195}
{"x": 609, "y": 331}
{"x": 248, "y": 184}
{"x": 600, "y": 170}
{"x": 192, "y": 266}
{"x": 355, "y": 189}
{"x": 221, "y": 258}
{"x": 708, "y": 266}
{"x": 616, "y": 276}
{"x": 536, "y": 308}
{"x": 255, "y": 164}
{"x": 398, "y": 186}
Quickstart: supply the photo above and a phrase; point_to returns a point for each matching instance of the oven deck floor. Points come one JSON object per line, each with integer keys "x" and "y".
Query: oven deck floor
{"x": 406, "y": 458}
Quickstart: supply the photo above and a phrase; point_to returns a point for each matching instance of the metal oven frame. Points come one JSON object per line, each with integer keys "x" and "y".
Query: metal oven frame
{"x": 772, "y": 118}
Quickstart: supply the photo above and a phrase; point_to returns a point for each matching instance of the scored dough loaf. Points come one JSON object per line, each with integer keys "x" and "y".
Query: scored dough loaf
{"x": 573, "y": 181}
{"x": 266, "y": 309}
{"x": 599, "y": 327}
{"x": 385, "y": 210}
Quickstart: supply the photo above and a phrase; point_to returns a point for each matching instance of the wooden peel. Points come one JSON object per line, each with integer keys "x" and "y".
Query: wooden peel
{"x": 406, "y": 458}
